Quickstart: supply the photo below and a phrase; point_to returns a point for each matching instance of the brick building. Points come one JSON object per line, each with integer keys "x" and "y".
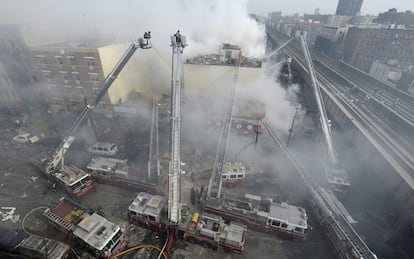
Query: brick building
{"x": 364, "y": 45}
{"x": 67, "y": 74}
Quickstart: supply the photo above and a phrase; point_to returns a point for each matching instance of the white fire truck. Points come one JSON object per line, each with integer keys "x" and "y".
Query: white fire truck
{"x": 263, "y": 214}
{"x": 118, "y": 172}
{"x": 149, "y": 211}
{"x": 101, "y": 237}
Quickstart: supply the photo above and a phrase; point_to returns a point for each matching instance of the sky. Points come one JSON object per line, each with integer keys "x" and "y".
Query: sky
{"x": 325, "y": 6}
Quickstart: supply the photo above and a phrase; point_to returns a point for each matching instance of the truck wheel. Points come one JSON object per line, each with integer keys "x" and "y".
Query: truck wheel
{"x": 207, "y": 244}
{"x": 192, "y": 240}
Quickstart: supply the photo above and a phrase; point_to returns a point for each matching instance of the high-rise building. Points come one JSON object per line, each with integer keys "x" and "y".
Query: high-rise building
{"x": 348, "y": 7}
{"x": 14, "y": 75}
{"x": 364, "y": 45}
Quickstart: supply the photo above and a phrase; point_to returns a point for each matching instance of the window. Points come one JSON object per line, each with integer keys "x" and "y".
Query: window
{"x": 240, "y": 176}
{"x": 233, "y": 176}
{"x": 47, "y": 75}
{"x": 298, "y": 229}
{"x": 76, "y": 76}
{"x": 228, "y": 54}
{"x": 151, "y": 217}
{"x": 63, "y": 75}
{"x": 90, "y": 61}
{"x": 72, "y": 60}
{"x": 275, "y": 223}
{"x": 41, "y": 59}
{"x": 59, "y": 60}
{"x": 94, "y": 77}
{"x": 284, "y": 225}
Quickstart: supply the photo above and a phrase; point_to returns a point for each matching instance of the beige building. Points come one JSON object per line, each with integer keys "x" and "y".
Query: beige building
{"x": 216, "y": 80}
{"x": 69, "y": 74}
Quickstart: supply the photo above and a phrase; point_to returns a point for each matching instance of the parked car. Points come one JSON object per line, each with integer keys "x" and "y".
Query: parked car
{"x": 104, "y": 149}
{"x": 26, "y": 138}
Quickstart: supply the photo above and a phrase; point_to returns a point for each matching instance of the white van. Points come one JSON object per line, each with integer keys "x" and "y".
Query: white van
{"x": 104, "y": 149}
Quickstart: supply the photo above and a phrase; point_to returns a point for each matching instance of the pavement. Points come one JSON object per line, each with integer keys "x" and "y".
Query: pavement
{"x": 24, "y": 188}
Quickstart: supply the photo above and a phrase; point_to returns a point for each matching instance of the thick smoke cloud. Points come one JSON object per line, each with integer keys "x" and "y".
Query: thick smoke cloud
{"x": 207, "y": 24}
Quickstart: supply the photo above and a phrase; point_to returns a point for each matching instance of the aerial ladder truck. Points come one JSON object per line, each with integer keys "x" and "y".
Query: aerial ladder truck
{"x": 74, "y": 180}
{"x": 153, "y": 157}
{"x": 336, "y": 175}
{"x": 215, "y": 184}
{"x": 330, "y": 213}
{"x": 182, "y": 222}
{"x": 178, "y": 42}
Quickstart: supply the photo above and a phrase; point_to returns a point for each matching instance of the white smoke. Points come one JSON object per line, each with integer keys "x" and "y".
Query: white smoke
{"x": 207, "y": 24}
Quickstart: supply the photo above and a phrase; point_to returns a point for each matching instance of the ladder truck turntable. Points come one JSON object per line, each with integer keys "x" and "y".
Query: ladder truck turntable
{"x": 262, "y": 214}
{"x": 74, "y": 180}
{"x": 100, "y": 236}
{"x": 208, "y": 230}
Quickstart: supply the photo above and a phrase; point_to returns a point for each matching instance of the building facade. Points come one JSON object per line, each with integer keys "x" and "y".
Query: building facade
{"x": 406, "y": 83}
{"x": 338, "y": 20}
{"x": 312, "y": 31}
{"x": 364, "y": 45}
{"x": 67, "y": 76}
{"x": 389, "y": 73}
{"x": 9, "y": 99}
{"x": 397, "y": 18}
{"x": 14, "y": 74}
{"x": 348, "y": 7}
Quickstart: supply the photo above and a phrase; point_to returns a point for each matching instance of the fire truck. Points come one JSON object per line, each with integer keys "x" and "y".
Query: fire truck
{"x": 74, "y": 180}
{"x": 238, "y": 173}
{"x": 118, "y": 172}
{"x": 15, "y": 242}
{"x": 174, "y": 219}
{"x": 210, "y": 231}
{"x": 99, "y": 236}
{"x": 263, "y": 214}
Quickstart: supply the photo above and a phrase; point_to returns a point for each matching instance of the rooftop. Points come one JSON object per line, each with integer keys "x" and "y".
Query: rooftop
{"x": 268, "y": 208}
{"x": 214, "y": 59}
{"x": 292, "y": 214}
{"x": 230, "y": 46}
{"x": 96, "y": 231}
{"x": 107, "y": 164}
{"x": 148, "y": 204}
{"x": 234, "y": 167}
{"x": 81, "y": 44}
{"x": 71, "y": 175}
